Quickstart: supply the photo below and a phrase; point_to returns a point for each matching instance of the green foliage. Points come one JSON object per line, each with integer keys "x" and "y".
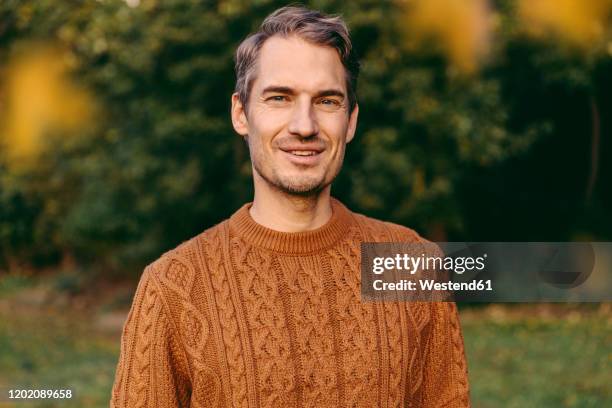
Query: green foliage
{"x": 161, "y": 162}
{"x": 13, "y": 283}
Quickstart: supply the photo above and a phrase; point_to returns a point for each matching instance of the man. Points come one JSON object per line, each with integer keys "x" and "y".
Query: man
{"x": 264, "y": 309}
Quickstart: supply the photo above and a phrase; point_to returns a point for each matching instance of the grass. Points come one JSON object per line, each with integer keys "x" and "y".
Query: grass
{"x": 51, "y": 352}
{"x": 518, "y": 355}
{"x": 539, "y": 355}
{"x": 48, "y": 341}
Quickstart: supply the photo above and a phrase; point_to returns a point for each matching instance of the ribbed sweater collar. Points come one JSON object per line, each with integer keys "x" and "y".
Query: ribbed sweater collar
{"x": 242, "y": 224}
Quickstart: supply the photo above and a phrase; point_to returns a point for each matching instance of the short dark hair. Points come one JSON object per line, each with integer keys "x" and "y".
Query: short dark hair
{"x": 310, "y": 25}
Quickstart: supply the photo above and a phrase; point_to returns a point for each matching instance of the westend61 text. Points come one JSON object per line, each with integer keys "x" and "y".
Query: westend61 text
{"x": 430, "y": 284}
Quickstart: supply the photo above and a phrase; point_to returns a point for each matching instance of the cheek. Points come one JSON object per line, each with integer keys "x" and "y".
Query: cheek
{"x": 335, "y": 128}
{"x": 266, "y": 127}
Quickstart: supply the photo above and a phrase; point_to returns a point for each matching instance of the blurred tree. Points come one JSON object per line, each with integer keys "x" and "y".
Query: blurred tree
{"x": 160, "y": 162}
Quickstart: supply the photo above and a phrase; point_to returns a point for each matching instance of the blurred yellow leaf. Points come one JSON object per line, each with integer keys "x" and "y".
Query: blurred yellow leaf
{"x": 461, "y": 28}
{"x": 578, "y": 22}
{"x": 39, "y": 98}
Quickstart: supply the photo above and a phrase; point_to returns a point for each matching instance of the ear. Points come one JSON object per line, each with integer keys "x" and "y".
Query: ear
{"x": 239, "y": 119}
{"x": 352, "y": 125}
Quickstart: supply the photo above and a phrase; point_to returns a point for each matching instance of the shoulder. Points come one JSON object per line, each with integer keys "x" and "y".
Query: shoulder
{"x": 378, "y": 231}
{"x": 385, "y": 231}
{"x": 177, "y": 267}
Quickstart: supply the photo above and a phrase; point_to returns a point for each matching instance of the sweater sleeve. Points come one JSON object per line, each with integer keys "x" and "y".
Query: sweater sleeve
{"x": 151, "y": 370}
{"x": 445, "y": 377}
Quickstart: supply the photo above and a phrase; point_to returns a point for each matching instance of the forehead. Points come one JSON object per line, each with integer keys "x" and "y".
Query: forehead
{"x": 298, "y": 64}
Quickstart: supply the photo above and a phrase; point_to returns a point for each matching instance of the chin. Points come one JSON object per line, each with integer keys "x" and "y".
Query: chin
{"x": 305, "y": 182}
{"x": 304, "y": 186}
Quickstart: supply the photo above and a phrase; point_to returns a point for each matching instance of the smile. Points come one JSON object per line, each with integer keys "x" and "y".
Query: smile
{"x": 302, "y": 157}
{"x": 303, "y": 152}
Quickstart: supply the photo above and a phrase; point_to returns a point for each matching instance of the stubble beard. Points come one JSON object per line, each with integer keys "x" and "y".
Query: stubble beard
{"x": 302, "y": 185}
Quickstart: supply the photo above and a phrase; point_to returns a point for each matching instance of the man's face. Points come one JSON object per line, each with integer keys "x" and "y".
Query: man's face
{"x": 298, "y": 123}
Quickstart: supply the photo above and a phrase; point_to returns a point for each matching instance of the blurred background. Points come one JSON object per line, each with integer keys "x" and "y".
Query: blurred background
{"x": 480, "y": 120}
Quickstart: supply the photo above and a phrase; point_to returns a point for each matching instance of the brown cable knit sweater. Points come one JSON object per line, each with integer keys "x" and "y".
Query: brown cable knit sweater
{"x": 244, "y": 316}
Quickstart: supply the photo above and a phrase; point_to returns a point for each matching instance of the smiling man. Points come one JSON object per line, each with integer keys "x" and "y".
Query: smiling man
{"x": 264, "y": 309}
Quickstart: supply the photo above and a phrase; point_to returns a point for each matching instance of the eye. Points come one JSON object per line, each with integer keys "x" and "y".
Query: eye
{"x": 330, "y": 102}
{"x": 277, "y": 98}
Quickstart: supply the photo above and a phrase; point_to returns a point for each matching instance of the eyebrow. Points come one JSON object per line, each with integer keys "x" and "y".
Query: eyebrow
{"x": 290, "y": 91}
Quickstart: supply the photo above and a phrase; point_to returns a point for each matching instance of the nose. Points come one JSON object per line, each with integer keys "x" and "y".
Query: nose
{"x": 303, "y": 120}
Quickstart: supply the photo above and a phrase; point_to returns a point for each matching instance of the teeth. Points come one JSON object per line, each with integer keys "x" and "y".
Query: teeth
{"x": 304, "y": 152}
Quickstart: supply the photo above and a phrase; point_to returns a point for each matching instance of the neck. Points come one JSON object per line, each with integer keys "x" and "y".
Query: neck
{"x": 283, "y": 212}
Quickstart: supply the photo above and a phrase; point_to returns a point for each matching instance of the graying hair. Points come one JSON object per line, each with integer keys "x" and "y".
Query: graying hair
{"x": 310, "y": 25}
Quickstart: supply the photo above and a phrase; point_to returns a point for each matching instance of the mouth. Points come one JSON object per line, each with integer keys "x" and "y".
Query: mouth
{"x": 303, "y": 156}
{"x": 302, "y": 152}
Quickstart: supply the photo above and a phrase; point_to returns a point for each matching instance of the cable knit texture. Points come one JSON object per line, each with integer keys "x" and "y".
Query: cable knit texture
{"x": 244, "y": 316}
